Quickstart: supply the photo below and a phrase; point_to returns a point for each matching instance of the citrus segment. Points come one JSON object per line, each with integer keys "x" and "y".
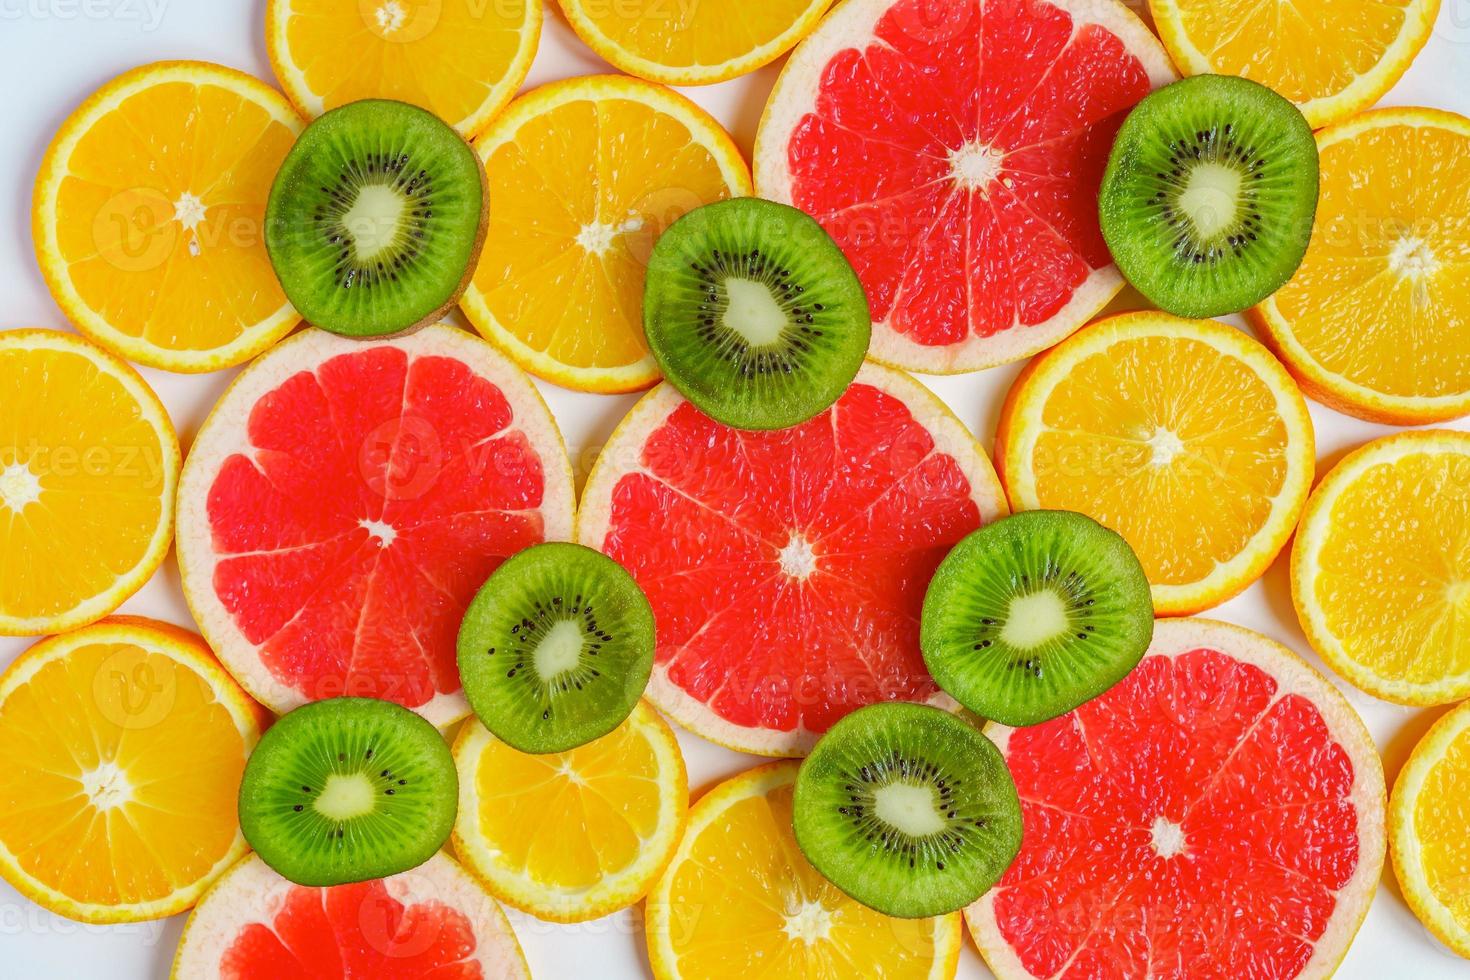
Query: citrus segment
{"x": 1373, "y": 323}
{"x": 121, "y": 749}
{"x": 576, "y": 835}
{"x": 584, "y": 175}
{"x": 739, "y": 899}
{"x": 1330, "y": 57}
{"x": 87, "y": 481}
{"x": 1218, "y": 813}
{"x": 955, "y": 152}
{"x": 345, "y": 500}
{"x": 1429, "y": 824}
{"x": 787, "y": 569}
{"x": 692, "y": 43}
{"x": 1184, "y": 436}
{"x": 461, "y": 59}
{"x": 433, "y": 921}
{"x": 1380, "y": 572}
{"x": 149, "y": 215}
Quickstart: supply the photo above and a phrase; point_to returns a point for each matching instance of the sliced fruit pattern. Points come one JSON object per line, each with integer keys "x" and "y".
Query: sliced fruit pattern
{"x": 344, "y": 502}
{"x": 955, "y": 152}
{"x": 1218, "y": 813}
{"x": 787, "y": 569}
{"x": 433, "y": 921}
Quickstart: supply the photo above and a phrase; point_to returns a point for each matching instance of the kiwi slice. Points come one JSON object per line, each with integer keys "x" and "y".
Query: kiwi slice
{"x": 348, "y": 789}
{"x": 907, "y": 809}
{"x": 1034, "y": 614}
{"x": 556, "y": 648}
{"x": 1209, "y": 195}
{"x": 376, "y": 219}
{"x": 754, "y": 314}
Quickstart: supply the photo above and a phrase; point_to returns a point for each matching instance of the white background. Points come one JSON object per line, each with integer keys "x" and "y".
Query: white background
{"x": 53, "y": 53}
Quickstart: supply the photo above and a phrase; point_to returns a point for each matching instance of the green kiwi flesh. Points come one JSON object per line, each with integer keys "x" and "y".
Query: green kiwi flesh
{"x": 1035, "y": 614}
{"x": 907, "y": 809}
{"x": 376, "y": 219}
{"x": 754, "y": 314}
{"x": 348, "y": 789}
{"x": 1209, "y": 195}
{"x": 556, "y": 649}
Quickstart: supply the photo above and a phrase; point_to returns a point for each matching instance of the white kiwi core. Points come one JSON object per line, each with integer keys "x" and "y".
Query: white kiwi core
{"x": 373, "y": 220}
{"x": 911, "y": 809}
{"x": 752, "y": 312}
{"x": 559, "y": 650}
{"x": 1035, "y": 619}
{"x": 345, "y": 796}
{"x": 1210, "y": 198}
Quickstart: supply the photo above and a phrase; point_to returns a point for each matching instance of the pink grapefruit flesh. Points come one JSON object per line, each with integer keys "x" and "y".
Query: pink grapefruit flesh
{"x": 787, "y": 569}
{"x": 1219, "y": 813}
{"x": 345, "y": 501}
{"x": 431, "y": 922}
{"x": 954, "y": 149}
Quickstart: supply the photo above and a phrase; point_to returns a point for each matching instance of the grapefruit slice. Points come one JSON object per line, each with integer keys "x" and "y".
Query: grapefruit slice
{"x": 955, "y": 152}
{"x": 433, "y": 921}
{"x": 787, "y": 569}
{"x": 1218, "y": 813}
{"x": 344, "y": 501}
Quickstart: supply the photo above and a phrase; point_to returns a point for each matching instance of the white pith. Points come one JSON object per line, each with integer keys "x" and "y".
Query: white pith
{"x": 798, "y": 559}
{"x": 558, "y": 651}
{"x": 1167, "y": 838}
{"x": 598, "y": 237}
{"x": 1035, "y": 619}
{"x": 752, "y": 312}
{"x": 909, "y": 808}
{"x": 382, "y": 532}
{"x": 19, "y": 486}
{"x": 1293, "y": 678}
{"x": 107, "y": 787}
{"x": 345, "y": 796}
{"x": 974, "y": 165}
{"x": 1210, "y": 198}
{"x": 1165, "y": 446}
{"x": 811, "y": 923}
{"x": 390, "y": 17}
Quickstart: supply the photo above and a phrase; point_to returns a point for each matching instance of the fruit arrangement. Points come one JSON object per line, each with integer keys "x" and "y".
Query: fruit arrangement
{"x": 432, "y": 678}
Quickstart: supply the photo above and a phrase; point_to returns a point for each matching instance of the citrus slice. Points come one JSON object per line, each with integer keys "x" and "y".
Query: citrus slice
{"x": 461, "y": 59}
{"x": 955, "y": 150}
{"x": 433, "y": 921}
{"x": 576, "y": 835}
{"x": 1219, "y": 813}
{"x": 692, "y": 43}
{"x": 787, "y": 569}
{"x": 149, "y": 215}
{"x": 1375, "y": 321}
{"x": 87, "y": 482}
{"x": 121, "y": 749}
{"x": 1380, "y": 572}
{"x": 1184, "y": 436}
{"x": 739, "y": 899}
{"x": 345, "y": 500}
{"x": 1330, "y": 57}
{"x": 584, "y": 175}
{"x": 1429, "y": 827}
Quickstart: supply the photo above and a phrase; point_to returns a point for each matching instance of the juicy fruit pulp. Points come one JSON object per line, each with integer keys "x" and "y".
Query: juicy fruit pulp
{"x": 376, "y": 219}
{"x": 556, "y": 649}
{"x": 778, "y": 917}
{"x": 1209, "y": 195}
{"x": 786, "y": 569}
{"x": 433, "y": 921}
{"x": 1217, "y": 813}
{"x": 87, "y": 482}
{"x": 346, "y": 790}
{"x": 1035, "y": 614}
{"x": 344, "y": 502}
{"x": 907, "y": 809}
{"x": 954, "y": 151}
{"x": 753, "y": 313}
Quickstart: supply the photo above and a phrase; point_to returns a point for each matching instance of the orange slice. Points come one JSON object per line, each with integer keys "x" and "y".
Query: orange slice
{"x": 1330, "y": 57}
{"x": 1376, "y": 322}
{"x": 571, "y": 836}
{"x": 585, "y": 175}
{"x": 1429, "y": 830}
{"x": 121, "y": 749}
{"x": 87, "y": 478}
{"x": 1185, "y": 436}
{"x": 461, "y": 59}
{"x": 149, "y": 215}
{"x": 740, "y": 900}
{"x": 692, "y": 43}
{"x": 1380, "y": 572}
